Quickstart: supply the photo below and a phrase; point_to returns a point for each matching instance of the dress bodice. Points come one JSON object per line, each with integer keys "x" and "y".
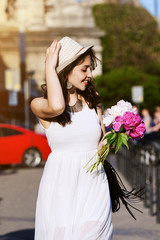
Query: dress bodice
{"x": 83, "y": 134}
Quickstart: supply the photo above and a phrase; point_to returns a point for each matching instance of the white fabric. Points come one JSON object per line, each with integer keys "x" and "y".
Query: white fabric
{"x": 72, "y": 203}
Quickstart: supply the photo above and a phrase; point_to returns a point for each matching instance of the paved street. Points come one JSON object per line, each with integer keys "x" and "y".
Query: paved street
{"x": 18, "y": 192}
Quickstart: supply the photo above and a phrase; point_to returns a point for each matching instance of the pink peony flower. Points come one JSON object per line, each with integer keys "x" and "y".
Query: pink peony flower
{"x": 118, "y": 122}
{"x": 131, "y": 120}
{"x": 138, "y": 131}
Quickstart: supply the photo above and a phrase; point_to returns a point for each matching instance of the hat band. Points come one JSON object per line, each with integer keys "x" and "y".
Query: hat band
{"x": 79, "y": 51}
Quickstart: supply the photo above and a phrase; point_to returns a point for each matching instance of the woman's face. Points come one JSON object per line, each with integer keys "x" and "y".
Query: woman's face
{"x": 81, "y": 74}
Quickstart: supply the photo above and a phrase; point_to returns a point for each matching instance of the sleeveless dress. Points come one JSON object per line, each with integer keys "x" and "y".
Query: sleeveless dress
{"x": 72, "y": 203}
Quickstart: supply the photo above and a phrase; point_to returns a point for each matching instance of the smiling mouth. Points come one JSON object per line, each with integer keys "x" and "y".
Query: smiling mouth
{"x": 85, "y": 82}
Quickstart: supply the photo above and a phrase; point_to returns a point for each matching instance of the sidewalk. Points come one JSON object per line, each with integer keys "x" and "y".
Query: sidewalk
{"x": 126, "y": 228}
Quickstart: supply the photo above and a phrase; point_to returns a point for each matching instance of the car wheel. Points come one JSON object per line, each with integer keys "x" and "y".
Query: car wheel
{"x": 31, "y": 157}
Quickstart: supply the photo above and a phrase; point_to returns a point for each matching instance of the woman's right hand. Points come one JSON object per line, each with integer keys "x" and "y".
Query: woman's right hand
{"x": 54, "y": 105}
{"x": 52, "y": 54}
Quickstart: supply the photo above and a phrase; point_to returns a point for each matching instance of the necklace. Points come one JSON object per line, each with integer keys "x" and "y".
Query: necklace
{"x": 77, "y": 107}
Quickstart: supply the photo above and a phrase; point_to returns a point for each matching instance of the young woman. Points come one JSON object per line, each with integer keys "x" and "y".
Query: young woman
{"x": 72, "y": 204}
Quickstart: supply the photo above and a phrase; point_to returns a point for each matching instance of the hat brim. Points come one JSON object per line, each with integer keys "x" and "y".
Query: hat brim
{"x": 65, "y": 64}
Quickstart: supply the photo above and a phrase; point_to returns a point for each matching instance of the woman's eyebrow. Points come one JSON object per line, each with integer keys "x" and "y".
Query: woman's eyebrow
{"x": 86, "y": 65}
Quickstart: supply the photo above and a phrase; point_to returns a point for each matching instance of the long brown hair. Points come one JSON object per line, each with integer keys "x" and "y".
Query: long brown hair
{"x": 89, "y": 94}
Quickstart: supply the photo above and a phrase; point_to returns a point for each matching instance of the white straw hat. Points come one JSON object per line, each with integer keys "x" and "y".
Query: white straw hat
{"x": 70, "y": 51}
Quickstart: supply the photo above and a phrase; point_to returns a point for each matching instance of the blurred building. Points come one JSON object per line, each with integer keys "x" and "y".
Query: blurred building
{"x": 27, "y": 28}
{"x": 42, "y": 21}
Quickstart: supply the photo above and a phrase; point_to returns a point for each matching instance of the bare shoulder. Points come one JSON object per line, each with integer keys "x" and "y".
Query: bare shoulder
{"x": 36, "y": 104}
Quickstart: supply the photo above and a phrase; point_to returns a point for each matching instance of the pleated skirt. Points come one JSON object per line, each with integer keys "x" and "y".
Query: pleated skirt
{"x": 72, "y": 203}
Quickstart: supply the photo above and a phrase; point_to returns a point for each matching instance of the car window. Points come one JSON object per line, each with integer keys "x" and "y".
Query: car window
{"x": 5, "y": 132}
{"x": 1, "y": 135}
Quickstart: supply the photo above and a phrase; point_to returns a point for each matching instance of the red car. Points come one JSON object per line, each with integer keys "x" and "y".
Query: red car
{"x": 22, "y": 146}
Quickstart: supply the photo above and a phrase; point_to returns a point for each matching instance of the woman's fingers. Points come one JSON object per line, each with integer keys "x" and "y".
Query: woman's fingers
{"x": 58, "y": 47}
{"x": 53, "y": 45}
{"x": 52, "y": 53}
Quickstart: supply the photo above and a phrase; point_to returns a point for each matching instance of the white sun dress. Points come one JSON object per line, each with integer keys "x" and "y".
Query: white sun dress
{"x": 73, "y": 204}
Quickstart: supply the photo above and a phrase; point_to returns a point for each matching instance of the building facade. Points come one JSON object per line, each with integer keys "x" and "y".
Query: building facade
{"x": 28, "y": 27}
{"x": 39, "y": 22}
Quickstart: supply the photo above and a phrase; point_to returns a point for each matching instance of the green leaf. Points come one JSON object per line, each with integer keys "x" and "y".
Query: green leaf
{"x": 124, "y": 135}
{"x": 121, "y": 128}
{"x": 111, "y": 137}
{"x": 112, "y": 130}
{"x": 114, "y": 143}
{"x": 125, "y": 142}
{"x": 108, "y": 136}
{"x": 114, "y": 136}
{"x": 119, "y": 143}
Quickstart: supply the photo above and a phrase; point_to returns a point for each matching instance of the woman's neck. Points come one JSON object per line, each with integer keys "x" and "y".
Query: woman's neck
{"x": 72, "y": 97}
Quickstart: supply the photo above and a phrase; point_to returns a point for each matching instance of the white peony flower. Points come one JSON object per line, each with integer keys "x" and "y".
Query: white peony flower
{"x": 112, "y": 113}
{"x": 107, "y": 120}
{"x": 117, "y": 110}
{"x": 125, "y": 106}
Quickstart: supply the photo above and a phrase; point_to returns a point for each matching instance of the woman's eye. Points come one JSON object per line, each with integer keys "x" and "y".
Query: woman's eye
{"x": 84, "y": 70}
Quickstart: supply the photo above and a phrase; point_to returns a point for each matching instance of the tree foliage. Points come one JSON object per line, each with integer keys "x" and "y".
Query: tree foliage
{"x": 131, "y": 35}
{"x": 116, "y": 85}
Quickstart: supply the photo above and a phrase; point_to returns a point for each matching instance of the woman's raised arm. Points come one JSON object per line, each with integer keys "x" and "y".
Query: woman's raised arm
{"x": 54, "y": 105}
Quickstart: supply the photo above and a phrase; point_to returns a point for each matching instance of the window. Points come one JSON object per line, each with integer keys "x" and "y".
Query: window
{"x": 1, "y": 134}
{"x": 5, "y": 132}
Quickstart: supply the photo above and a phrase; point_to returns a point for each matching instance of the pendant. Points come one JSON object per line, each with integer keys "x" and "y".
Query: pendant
{"x": 77, "y": 107}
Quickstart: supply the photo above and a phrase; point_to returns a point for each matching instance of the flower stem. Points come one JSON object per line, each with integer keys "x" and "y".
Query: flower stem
{"x": 104, "y": 152}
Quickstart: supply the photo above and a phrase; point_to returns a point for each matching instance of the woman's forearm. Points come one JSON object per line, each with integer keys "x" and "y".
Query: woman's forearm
{"x": 54, "y": 90}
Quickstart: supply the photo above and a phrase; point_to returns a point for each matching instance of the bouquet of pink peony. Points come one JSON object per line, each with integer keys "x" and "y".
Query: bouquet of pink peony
{"x": 125, "y": 123}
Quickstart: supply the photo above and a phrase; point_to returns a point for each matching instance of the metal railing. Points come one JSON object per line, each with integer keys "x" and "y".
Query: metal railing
{"x": 141, "y": 167}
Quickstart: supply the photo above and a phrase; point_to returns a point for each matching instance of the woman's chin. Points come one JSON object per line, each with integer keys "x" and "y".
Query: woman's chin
{"x": 82, "y": 88}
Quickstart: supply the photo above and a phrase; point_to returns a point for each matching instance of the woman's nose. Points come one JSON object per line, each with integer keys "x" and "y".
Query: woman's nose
{"x": 89, "y": 73}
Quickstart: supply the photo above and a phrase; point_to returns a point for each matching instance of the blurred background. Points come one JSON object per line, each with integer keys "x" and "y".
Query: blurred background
{"x": 125, "y": 34}
{"x": 126, "y": 38}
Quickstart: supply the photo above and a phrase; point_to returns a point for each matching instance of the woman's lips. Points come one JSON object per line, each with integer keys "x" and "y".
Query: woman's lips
{"x": 85, "y": 82}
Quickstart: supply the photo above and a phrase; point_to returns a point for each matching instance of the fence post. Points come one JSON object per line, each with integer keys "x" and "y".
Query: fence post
{"x": 158, "y": 186}
{"x": 151, "y": 180}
